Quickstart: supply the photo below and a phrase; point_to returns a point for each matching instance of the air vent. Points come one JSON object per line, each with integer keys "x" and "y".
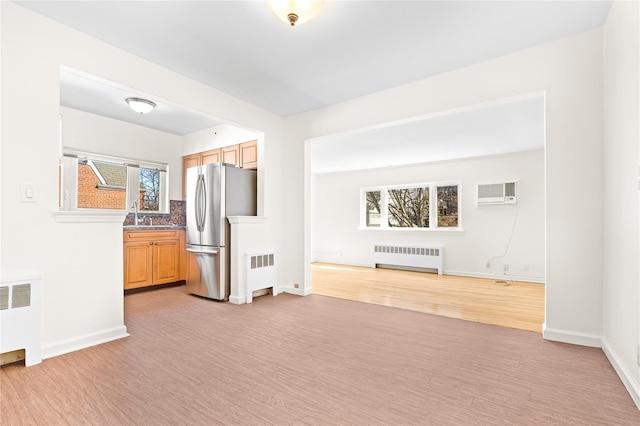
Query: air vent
{"x": 400, "y": 255}
{"x": 416, "y": 251}
{"x": 262, "y": 261}
{"x": 261, "y": 273}
{"x": 21, "y": 317}
{"x": 21, "y": 296}
{"x": 4, "y": 298}
{"x": 497, "y": 193}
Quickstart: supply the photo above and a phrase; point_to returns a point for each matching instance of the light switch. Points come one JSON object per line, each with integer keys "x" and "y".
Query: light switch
{"x": 28, "y": 193}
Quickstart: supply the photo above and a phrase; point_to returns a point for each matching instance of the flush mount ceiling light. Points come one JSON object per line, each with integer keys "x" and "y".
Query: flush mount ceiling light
{"x": 296, "y": 12}
{"x": 141, "y": 106}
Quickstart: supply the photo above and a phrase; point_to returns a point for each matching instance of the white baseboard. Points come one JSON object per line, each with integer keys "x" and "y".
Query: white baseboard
{"x": 538, "y": 280}
{"x": 338, "y": 262}
{"x": 629, "y": 381}
{"x": 565, "y": 336}
{"x": 298, "y": 291}
{"x": 82, "y": 342}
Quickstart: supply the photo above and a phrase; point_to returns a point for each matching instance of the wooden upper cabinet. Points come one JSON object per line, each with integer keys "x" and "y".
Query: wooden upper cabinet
{"x": 189, "y": 161}
{"x": 231, "y": 154}
{"x": 249, "y": 155}
{"x": 244, "y": 155}
{"x": 211, "y": 156}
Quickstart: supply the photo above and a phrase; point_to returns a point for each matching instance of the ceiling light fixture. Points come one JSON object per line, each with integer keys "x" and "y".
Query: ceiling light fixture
{"x": 296, "y": 12}
{"x": 141, "y": 106}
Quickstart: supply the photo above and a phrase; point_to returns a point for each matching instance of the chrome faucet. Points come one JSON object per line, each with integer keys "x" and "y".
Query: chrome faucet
{"x": 134, "y": 205}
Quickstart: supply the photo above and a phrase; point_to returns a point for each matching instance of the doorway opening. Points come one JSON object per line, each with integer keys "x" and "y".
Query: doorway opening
{"x": 495, "y": 251}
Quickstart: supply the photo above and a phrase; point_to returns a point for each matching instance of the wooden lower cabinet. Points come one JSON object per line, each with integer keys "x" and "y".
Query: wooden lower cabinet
{"x": 153, "y": 257}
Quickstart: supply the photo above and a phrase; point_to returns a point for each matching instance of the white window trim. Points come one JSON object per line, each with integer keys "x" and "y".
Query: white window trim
{"x": 69, "y": 181}
{"x": 433, "y": 208}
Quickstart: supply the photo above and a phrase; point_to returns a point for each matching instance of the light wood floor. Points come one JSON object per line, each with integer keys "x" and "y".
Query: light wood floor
{"x": 516, "y": 305}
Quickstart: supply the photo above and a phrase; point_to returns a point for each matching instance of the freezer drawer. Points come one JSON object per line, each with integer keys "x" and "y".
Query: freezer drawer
{"x": 207, "y": 273}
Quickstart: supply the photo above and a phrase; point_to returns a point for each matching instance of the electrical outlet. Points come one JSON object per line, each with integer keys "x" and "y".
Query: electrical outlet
{"x": 505, "y": 267}
{"x": 296, "y": 285}
{"x": 525, "y": 267}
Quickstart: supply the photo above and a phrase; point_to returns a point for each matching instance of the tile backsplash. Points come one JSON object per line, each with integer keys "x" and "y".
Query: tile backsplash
{"x": 177, "y": 215}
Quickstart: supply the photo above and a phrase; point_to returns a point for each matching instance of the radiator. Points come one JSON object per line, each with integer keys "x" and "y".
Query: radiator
{"x": 409, "y": 256}
{"x": 261, "y": 273}
{"x": 21, "y": 315}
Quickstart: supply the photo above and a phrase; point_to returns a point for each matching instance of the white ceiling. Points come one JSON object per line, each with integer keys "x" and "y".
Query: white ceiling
{"x": 487, "y": 130}
{"x": 352, "y": 49}
{"x": 86, "y": 93}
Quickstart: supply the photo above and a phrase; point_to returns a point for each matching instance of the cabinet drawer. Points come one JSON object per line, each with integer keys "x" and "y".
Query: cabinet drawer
{"x": 151, "y": 235}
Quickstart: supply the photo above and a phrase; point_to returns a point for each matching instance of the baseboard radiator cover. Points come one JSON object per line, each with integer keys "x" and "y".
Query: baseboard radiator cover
{"x": 408, "y": 256}
{"x": 21, "y": 316}
{"x": 261, "y": 273}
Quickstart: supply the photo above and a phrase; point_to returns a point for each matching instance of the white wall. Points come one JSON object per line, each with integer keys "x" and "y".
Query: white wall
{"x": 81, "y": 259}
{"x": 621, "y": 295}
{"x": 569, "y": 71}
{"x": 336, "y": 238}
{"x": 101, "y": 135}
{"x": 216, "y": 137}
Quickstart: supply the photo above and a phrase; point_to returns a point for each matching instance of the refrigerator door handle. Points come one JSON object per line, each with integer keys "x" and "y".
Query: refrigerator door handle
{"x": 197, "y": 204}
{"x": 202, "y": 249}
{"x": 201, "y": 203}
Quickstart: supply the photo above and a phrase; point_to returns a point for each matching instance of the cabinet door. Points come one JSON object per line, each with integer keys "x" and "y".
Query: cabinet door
{"x": 188, "y": 161}
{"x": 212, "y": 156}
{"x": 249, "y": 155}
{"x": 138, "y": 261}
{"x": 231, "y": 154}
{"x": 166, "y": 261}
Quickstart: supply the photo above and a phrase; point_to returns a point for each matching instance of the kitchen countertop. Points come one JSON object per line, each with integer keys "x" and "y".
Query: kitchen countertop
{"x": 151, "y": 227}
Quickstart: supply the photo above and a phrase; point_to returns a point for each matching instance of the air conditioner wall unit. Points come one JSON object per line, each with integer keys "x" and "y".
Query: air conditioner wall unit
{"x": 497, "y": 193}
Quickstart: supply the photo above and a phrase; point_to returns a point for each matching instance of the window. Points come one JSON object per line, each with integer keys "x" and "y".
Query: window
{"x": 410, "y": 206}
{"x": 150, "y": 180}
{"x": 101, "y": 185}
{"x": 93, "y": 181}
{"x": 373, "y": 208}
{"x": 447, "y": 206}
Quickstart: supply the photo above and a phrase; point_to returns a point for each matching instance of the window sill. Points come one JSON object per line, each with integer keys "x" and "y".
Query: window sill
{"x": 450, "y": 231}
{"x": 80, "y": 216}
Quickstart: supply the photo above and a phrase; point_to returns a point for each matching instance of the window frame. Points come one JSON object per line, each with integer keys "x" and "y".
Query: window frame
{"x": 433, "y": 207}
{"x": 69, "y": 181}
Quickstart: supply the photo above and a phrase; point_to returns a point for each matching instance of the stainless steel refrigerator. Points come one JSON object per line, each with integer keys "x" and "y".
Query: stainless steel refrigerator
{"x": 214, "y": 192}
